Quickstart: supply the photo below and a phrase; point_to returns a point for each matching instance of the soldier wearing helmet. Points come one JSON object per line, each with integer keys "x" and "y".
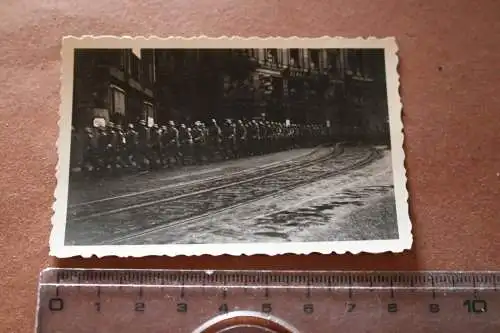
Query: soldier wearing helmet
{"x": 214, "y": 139}
{"x": 171, "y": 144}
{"x": 121, "y": 147}
{"x": 144, "y": 145}
{"x": 155, "y": 142}
{"x": 198, "y": 136}
{"x": 241, "y": 137}
{"x": 186, "y": 142}
{"x": 229, "y": 139}
{"x": 253, "y": 137}
{"x": 91, "y": 150}
{"x": 132, "y": 142}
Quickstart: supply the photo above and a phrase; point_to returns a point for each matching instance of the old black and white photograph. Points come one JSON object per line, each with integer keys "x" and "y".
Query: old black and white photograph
{"x": 191, "y": 146}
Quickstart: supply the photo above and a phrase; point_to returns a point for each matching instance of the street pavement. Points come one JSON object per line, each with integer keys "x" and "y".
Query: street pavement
{"x": 300, "y": 195}
{"x": 83, "y": 191}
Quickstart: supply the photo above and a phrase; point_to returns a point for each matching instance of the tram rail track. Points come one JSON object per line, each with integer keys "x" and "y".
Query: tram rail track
{"x": 176, "y": 181}
{"x": 174, "y": 192}
{"x": 198, "y": 207}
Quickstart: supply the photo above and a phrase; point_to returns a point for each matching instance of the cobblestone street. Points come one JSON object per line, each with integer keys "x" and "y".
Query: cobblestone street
{"x": 326, "y": 194}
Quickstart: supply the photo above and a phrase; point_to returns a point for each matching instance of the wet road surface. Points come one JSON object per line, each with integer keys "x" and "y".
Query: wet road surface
{"x": 315, "y": 196}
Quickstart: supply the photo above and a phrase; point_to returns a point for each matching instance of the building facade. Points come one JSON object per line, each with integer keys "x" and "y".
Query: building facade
{"x": 113, "y": 85}
{"x": 195, "y": 84}
{"x": 343, "y": 88}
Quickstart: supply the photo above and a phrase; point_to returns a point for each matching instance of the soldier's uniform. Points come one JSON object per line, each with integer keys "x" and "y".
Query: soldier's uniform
{"x": 309, "y": 135}
{"x": 164, "y": 145}
{"x": 277, "y": 138}
{"x": 206, "y": 139}
{"x": 132, "y": 141}
{"x": 229, "y": 138}
{"x": 198, "y": 136}
{"x": 102, "y": 143}
{"x": 264, "y": 137}
{"x": 91, "y": 150}
{"x": 241, "y": 136}
{"x": 294, "y": 136}
{"x": 171, "y": 143}
{"x": 214, "y": 141}
{"x": 186, "y": 142}
{"x": 111, "y": 147}
{"x": 155, "y": 146}
{"x": 254, "y": 137}
{"x": 121, "y": 147}
{"x": 280, "y": 135}
{"x": 143, "y": 145}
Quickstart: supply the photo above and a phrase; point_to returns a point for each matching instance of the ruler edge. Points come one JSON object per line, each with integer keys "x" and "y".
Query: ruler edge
{"x": 48, "y": 270}
{"x": 492, "y": 277}
{"x": 211, "y": 271}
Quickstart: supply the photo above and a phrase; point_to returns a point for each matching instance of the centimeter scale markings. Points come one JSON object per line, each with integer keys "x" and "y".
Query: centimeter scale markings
{"x": 125, "y": 301}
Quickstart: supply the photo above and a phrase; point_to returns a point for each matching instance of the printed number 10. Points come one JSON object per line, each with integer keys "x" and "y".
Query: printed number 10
{"x": 476, "y": 306}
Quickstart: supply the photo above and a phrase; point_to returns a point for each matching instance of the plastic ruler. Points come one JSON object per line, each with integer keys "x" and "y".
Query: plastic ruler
{"x": 133, "y": 301}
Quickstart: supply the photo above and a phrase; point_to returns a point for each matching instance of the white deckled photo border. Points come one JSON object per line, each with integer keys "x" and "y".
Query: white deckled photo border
{"x": 70, "y": 43}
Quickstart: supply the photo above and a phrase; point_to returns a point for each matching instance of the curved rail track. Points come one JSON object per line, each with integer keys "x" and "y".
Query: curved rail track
{"x": 164, "y": 183}
{"x": 185, "y": 190}
{"x": 171, "y": 212}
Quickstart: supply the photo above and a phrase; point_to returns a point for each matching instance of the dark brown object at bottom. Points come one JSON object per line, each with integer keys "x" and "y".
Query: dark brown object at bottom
{"x": 449, "y": 70}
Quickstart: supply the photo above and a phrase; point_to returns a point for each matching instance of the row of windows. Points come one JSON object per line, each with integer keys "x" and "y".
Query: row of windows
{"x": 119, "y": 104}
{"x": 318, "y": 59}
{"x": 125, "y": 60}
{"x": 140, "y": 69}
{"x": 357, "y": 61}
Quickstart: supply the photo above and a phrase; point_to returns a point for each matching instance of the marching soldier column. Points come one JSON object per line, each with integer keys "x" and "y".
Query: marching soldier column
{"x": 111, "y": 148}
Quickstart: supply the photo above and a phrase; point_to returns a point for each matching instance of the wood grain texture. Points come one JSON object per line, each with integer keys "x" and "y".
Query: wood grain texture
{"x": 450, "y": 74}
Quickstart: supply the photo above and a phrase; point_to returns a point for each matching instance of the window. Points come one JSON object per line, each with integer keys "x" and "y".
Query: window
{"x": 355, "y": 59}
{"x": 314, "y": 59}
{"x": 360, "y": 61}
{"x": 122, "y": 60}
{"x": 118, "y": 101}
{"x": 332, "y": 58}
{"x": 271, "y": 57}
{"x": 294, "y": 58}
{"x": 151, "y": 73}
{"x": 276, "y": 59}
{"x": 134, "y": 66}
{"x": 128, "y": 63}
{"x": 146, "y": 64}
{"x": 149, "y": 113}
